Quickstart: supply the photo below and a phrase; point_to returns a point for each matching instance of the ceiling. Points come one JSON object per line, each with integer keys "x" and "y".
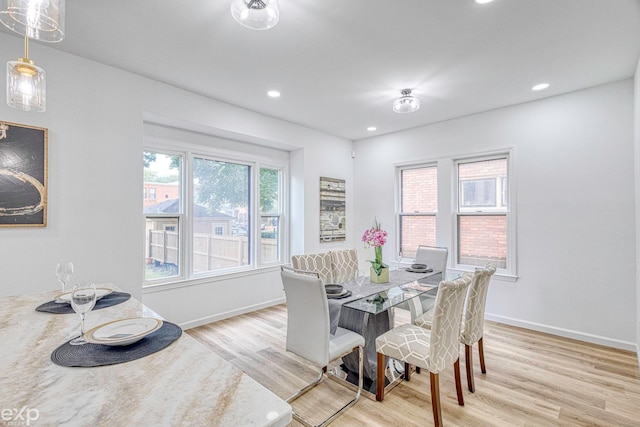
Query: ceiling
{"x": 339, "y": 64}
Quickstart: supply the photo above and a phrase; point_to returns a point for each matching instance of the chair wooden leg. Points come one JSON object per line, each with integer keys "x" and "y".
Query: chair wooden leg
{"x": 435, "y": 399}
{"x": 407, "y": 371}
{"x": 417, "y": 369}
{"x": 456, "y": 373}
{"x": 380, "y": 379}
{"x": 483, "y": 368}
{"x": 468, "y": 359}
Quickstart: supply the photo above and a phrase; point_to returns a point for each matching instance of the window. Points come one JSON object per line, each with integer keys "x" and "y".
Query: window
{"x": 418, "y": 208}
{"x": 482, "y": 212}
{"x": 229, "y": 219}
{"x": 163, "y": 218}
{"x": 475, "y": 220}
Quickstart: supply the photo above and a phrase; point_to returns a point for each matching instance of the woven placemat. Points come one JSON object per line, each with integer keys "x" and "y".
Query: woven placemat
{"x": 90, "y": 355}
{"x": 114, "y": 298}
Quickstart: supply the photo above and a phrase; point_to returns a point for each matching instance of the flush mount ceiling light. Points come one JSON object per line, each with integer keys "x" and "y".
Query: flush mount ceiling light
{"x": 541, "y": 86}
{"x": 256, "y": 14}
{"x": 37, "y": 19}
{"x": 26, "y": 84}
{"x": 406, "y": 103}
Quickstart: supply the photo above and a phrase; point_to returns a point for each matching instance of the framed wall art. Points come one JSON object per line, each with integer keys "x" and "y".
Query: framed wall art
{"x": 23, "y": 175}
{"x": 333, "y": 218}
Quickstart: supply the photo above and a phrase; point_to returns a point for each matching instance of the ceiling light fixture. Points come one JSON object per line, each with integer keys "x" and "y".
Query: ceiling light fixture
{"x": 256, "y": 14}
{"x": 372, "y": 128}
{"x": 483, "y": 1}
{"x": 273, "y": 94}
{"x": 37, "y": 19}
{"x": 406, "y": 103}
{"x": 541, "y": 86}
{"x": 26, "y": 84}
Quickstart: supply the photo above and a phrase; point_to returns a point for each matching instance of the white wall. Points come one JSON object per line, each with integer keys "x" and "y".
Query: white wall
{"x": 95, "y": 120}
{"x": 636, "y": 141}
{"x": 574, "y": 172}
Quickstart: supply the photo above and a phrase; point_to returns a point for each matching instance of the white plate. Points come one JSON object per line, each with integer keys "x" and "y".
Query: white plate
{"x": 100, "y": 292}
{"x": 123, "y": 332}
{"x": 422, "y": 270}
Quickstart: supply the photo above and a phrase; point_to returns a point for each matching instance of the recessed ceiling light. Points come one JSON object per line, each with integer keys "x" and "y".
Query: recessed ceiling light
{"x": 372, "y": 128}
{"x": 541, "y": 86}
{"x": 483, "y": 1}
{"x": 273, "y": 94}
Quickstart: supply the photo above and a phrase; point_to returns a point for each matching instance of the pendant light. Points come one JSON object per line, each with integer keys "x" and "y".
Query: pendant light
{"x": 26, "y": 84}
{"x": 37, "y": 19}
{"x": 256, "y": 14}
{"x": 406, "y": 103}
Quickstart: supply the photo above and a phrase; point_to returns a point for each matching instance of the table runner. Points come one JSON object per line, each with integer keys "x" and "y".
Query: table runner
{"x": 114, "y": 298}
{"x": 91, "y": 355}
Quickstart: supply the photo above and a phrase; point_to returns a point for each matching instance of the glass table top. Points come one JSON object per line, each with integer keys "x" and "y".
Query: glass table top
{"x": 378, "y": 302}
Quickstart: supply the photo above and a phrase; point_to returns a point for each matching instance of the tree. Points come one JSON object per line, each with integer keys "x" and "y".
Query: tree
{"x": 269, "y": 186}
{"x": 148, "y": 158}
{"x": 221, "y": 183}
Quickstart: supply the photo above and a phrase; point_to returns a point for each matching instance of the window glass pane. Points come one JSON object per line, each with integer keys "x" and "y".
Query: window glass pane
{"x": 482, "y": 239}
{"x": 162, "y": 252}
{"x": 269, "y": 190}
{"x": 482, "y": 184}
{"x": 419, "y": 190}
{"x": 221, "y": 201}
{"x": 415, "y": 231}
{"x": 269, "y": 239}
{"x": 161, "y": 183}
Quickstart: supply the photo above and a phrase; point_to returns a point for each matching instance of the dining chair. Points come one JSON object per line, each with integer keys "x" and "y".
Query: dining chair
{"x": 320, "y": 263}
{"x": 431, "y": 349}
{"x": 309, "y": 336}
{"x": 472, "y": 327}
{"x": 344, "y": 264}
{"x": 435, "y": 258}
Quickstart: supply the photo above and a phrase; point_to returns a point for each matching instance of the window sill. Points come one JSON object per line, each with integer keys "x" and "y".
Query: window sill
{"x": 149, "y": 287}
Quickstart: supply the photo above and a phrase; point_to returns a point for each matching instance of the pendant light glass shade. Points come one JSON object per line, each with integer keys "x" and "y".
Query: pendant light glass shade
{"x": 406, "y": 103}
{"x": 256, "y": 14}
{"x": 37, "y": 19}
{"x": 26, "y": 84}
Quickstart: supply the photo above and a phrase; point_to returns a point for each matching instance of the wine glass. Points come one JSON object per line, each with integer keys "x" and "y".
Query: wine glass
{"x": 360, "y": 277}
{"x": 398, "y": 257}
{"x": 64, "y": 270}
{"x": 83, "y": 299}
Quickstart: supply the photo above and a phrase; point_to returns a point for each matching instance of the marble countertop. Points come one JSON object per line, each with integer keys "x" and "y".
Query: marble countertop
{"x": 184, "y": 384}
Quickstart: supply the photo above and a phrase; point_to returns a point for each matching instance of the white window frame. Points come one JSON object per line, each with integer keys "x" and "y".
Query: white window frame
{"x": 189, "y": 151}
{"x": 400, "y": 213}
{"x": 500, "y": 210}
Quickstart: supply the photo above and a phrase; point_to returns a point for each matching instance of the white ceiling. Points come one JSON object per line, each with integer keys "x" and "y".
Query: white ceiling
{"x": 339, "y": 64}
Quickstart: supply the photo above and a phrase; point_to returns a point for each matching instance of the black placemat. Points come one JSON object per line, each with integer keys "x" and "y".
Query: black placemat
{"x": 114, "y": 298}
{"x": 90, "y": 355}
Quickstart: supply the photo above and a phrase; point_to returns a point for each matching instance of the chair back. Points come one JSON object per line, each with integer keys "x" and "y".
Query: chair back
{"x": 320, "y": 263}
{"x": 344, "y": 264}
{"x": 473, "y": 326}
{"x": 434, "y": 257}
{"x": 447, "y": 316}
{"x": 307, "y": 316}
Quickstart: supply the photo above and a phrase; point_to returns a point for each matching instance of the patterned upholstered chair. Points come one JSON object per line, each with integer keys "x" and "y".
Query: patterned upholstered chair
{"x": 309, "y": 333}
{"x": 434, "y": 349}
{"x": 320, "y": 263}
{"x": 344, "y": 264}
{"x": 472, "y": 320}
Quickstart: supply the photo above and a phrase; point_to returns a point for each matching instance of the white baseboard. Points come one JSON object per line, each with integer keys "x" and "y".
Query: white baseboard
{"x": 221, "y": 316}
{"x": 567, "y": 333}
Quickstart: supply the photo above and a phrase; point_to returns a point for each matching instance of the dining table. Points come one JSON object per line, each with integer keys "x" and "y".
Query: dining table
{"x": 368, "y": 309}
{"x": 183, "y": 383}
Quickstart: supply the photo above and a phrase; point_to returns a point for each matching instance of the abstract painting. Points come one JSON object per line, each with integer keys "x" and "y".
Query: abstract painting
{"x": 333, "y": 219}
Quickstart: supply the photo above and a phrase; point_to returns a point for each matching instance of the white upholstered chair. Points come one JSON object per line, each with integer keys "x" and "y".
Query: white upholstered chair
{"x": 434, "y": 349}
{"x": 472, "y": 328}
{"x": 436, "y": 259}
{"x": 308, "y": 332}
{"x": 320, "y": 263}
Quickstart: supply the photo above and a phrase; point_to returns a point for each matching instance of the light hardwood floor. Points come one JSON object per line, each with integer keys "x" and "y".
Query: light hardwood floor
{"x": 532, "y": 379}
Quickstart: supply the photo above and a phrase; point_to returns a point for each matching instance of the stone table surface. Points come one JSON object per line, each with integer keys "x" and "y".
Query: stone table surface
{"x": 185, "y": 384}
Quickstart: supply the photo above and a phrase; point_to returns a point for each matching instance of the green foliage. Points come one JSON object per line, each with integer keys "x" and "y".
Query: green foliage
{"x": 269, "y": 185}
{"x": 221, "y": 183}
{"x": 148, "y": 158}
